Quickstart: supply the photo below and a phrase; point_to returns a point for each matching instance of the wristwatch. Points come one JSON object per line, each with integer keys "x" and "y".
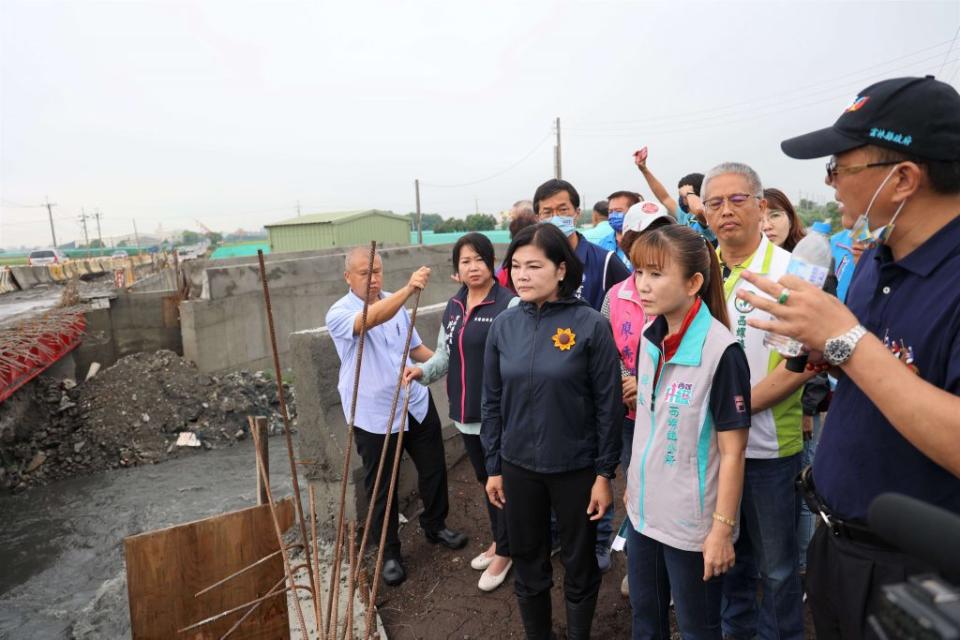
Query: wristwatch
{"x": 838, "y": 350}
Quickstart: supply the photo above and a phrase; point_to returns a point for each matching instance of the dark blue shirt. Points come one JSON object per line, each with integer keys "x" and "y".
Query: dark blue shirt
{"x": 912, "y": 304}
{"x": 601, "y": 270}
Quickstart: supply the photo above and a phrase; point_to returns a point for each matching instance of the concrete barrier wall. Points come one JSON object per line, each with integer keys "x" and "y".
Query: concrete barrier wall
{"x": 7, "y": 283}
{"x": 26, "y": 277}
{"x": 322, "y": 426}
{"x": 230, "y": 332}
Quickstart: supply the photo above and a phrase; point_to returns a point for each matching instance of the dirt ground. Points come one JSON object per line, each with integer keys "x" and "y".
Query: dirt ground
{"x": 440, "y": 599}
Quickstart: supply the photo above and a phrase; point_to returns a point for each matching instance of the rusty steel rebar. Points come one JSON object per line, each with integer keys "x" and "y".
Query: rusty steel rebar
{"x": 315, "y": 567}
{"x": 298, "y": 505}
{"x": 361, "y": 338}
{"x": 275, "y": 591}
{"x": 276, "y": 525}
{"x": 394, "y": 472}
{"x": 389, "y": 431}
{"x": 239, "y": 573}
{"x": 253, "y": 608}
{"x": 348, "y": 616}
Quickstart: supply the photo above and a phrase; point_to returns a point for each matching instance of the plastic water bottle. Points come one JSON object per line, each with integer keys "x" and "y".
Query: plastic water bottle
{"x": 810, "y": 261}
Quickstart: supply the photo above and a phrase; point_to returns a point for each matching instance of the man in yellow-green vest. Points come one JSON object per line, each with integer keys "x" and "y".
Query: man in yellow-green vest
{"x": 767, "y": 547}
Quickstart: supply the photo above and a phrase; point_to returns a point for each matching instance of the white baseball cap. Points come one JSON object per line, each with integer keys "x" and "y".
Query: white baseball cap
{"x": 643, "y": 214}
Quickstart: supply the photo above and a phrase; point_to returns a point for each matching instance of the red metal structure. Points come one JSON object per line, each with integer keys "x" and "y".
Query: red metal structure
{"x": 29, "y": 348}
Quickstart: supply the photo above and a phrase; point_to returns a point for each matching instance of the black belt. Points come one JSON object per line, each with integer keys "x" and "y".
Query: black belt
{"x": 849, "y": 529}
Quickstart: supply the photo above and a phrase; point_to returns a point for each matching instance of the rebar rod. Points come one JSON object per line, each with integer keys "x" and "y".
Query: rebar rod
{"x": 335, "y": 566}
{"x": 315, "y": 568}
{"x": 286, "y": 420}
{"x": 242, "y": 571}
{"x": 348, "y": 621}
{"x": 389, "y": 431}
{"x": 394, "y": 472}
{"x": 276, "y": 525}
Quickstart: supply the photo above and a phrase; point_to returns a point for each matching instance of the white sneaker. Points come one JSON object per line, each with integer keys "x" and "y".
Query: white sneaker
{"x": 625, "y": 587}
{"x": 489, "y": 582}
{"x": 481, "y": 562}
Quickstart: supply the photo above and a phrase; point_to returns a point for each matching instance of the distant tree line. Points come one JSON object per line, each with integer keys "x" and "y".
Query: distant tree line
{"x": 473, "y": 222}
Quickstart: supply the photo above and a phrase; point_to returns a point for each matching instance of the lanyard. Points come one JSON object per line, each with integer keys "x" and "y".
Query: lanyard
{"x": 731, "y": 282}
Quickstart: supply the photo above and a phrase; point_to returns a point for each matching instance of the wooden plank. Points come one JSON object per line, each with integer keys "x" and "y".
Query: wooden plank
{"x": 165, "y": 568}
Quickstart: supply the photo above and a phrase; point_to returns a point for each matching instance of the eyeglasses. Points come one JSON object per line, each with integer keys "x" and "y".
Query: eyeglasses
{"x": 562, "y": 210}
{"x": 834, "y": 169}
{"x": 736, "y": 201}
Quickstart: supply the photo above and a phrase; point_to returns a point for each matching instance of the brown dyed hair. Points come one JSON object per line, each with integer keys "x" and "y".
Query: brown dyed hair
{"x": 778, "y": 200}
{"x": 694, "y": 255}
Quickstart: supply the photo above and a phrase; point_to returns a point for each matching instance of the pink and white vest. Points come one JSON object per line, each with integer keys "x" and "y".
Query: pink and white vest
{"x": 627, "y": 320}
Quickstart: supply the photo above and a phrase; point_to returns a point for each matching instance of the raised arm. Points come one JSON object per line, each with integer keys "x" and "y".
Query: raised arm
{"x": 382, "y": 310}
{"x": 655, "y": 185}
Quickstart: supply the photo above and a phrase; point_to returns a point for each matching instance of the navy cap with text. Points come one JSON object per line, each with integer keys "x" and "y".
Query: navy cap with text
{"x": 916, "y": 116}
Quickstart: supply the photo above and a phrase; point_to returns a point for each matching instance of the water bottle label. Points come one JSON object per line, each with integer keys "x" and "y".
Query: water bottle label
{"x": 810, "y": 272}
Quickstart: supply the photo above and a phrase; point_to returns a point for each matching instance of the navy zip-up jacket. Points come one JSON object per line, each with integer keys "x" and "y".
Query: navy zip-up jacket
{"x": 552, "y": 390}
{"x": 466, "y": 338}
{"x": 601, "y": 270}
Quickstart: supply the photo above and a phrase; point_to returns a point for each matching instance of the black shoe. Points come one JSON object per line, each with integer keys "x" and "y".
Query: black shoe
{"x": 447, "y": 537}
{"x": 535, "y": 613}
{"x": 393, "y": 572}
{"x": 580, "y": 618}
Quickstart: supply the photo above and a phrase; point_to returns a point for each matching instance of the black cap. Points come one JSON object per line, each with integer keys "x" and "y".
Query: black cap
{"x": 916, "y": 116}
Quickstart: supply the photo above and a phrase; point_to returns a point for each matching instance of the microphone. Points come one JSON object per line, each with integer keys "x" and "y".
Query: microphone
{"x": 921, "y": 530}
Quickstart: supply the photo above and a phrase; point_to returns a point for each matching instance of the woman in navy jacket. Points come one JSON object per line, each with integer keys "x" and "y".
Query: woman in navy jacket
{"x": 460, "y": 344}
{"x": 551, "y": 426}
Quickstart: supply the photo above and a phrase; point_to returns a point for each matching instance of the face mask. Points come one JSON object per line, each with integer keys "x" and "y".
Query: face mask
{"x": 861, "y": 228}
{"x": 616, "y": 221}
{"x": 563, "y": 223}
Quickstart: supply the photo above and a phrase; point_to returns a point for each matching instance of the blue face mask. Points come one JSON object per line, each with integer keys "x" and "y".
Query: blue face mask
{"x": 616, "y": 221}
{"x": 563, "y": 223}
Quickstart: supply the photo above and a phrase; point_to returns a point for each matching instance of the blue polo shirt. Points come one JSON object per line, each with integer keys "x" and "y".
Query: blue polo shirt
{"x": 601, "y": 270}
{"x": 915, "y": 302}
{"x": 690, "y": 220}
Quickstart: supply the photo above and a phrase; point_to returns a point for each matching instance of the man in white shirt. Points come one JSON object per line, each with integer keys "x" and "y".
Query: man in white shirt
{"x": 387, "y": 326}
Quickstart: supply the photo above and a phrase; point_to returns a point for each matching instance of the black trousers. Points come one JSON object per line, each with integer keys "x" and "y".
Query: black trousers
{"x": 498, "y": 520}
{"x": 424, "y": 444}
{"x": 844, "y": 580}
{"x": 530, "y": 496}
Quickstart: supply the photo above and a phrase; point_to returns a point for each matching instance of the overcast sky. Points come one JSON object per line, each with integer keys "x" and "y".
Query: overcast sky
{"x": 230, "y": 112}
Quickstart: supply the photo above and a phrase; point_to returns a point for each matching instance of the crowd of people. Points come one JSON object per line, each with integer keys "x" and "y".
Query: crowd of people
{"x": 644, "y": 354}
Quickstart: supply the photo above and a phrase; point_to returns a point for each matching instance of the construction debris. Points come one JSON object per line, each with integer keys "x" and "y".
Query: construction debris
{"x": 131, "y": 413}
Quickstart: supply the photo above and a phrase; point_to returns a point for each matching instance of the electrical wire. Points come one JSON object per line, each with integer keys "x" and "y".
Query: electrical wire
{"x": 711, "y": 122}
{"x": 947, "y": 54}
{"x": 780, "y": 98}
{"x": 495, "y": 175}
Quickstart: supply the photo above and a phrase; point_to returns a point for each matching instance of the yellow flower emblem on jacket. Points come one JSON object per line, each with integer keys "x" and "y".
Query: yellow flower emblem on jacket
{"x": 564, "y": 339}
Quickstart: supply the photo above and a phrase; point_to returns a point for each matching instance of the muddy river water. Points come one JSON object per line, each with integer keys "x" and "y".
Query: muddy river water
{"x": 61, "y": 554}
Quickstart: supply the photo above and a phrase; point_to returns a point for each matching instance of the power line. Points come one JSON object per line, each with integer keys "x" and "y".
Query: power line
{"x": 495, "y": 175}
{"x": 714, "y": 121}
{"x": 947, "y": 54}
{"x": 810, "y": 89}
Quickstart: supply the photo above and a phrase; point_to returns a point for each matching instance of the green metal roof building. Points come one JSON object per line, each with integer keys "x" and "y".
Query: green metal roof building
{"x": 339, "y": 229}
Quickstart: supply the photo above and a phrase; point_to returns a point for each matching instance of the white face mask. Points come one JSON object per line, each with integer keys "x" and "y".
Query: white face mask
{"x": 860, "y": 232}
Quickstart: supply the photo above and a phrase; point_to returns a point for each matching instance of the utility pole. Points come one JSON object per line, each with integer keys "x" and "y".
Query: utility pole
{"x": 99, "y": 235}
{"x": 298, "y": 208}
{"x": 86, "y": 236}
{"x": 53, "y": 234}
{"x": 136, "y": 236}
{"x": 476, "y": 205}
{"x": 416, "y": 186}
{"x": 557, "y": 167}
